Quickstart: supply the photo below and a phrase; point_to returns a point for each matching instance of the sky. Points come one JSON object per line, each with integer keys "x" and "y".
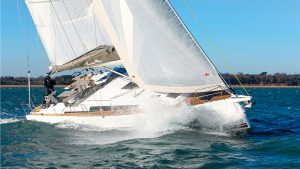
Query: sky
{"x": 237, "y": 35}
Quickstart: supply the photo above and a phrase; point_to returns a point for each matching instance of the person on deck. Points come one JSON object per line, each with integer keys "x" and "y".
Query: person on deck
{"x": 49, "y": 87}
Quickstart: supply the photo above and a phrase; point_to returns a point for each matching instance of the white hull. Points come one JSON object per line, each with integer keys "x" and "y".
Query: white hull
{"x": 123, "y": 121}
{"x": 112, "y": 94}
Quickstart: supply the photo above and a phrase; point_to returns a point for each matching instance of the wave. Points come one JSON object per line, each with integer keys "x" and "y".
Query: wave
{"x": 80, "y": 127}
{"x": 9, "y": 120}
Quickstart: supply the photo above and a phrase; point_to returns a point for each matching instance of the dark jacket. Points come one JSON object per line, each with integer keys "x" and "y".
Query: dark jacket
{"x": 49, "y": 85}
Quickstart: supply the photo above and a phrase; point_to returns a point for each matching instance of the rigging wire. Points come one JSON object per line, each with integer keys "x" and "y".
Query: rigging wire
{"x": 28, "y": 71}
{"x": 96, "y": 41}
{"x": 56, "y": 38}
{"x": 63, "y": 30}
{"x": 21, "y": 24}
{"x": 80, "y": 39}
{"x": 95, "y": 28}
{"x": 77, "y": 33}
{"x": 54, "y": 28}
{"x": 25, "y": 34}
{"x": 219, "y": 53}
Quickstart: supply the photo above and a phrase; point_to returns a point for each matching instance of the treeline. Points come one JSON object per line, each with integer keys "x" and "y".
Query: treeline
{"x": 263, "y": 79}
{"x": 10, "y": 80}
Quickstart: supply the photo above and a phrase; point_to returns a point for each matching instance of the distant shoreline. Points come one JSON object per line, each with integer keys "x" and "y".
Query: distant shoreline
{"x": 236, "y": 86}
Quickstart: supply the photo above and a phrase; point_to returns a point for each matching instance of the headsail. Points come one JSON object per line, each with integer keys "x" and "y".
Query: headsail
{"x": 155, "y": 46}
{"x": 69, "y": 32}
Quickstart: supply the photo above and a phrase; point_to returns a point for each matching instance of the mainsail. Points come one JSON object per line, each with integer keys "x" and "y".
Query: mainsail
{"x": 155, "y": 47}
{"x": 70, "y": 33}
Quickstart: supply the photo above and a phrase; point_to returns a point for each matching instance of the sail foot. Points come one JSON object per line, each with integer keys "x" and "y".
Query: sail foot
{"x": 103, "y": 54}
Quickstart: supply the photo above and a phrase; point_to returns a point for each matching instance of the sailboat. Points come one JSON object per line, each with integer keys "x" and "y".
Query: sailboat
{"x": 123, "y": 53}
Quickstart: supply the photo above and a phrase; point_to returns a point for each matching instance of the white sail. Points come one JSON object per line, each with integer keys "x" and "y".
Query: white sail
{"x": 155, "y": 46}
{"x": 67, "y": 28}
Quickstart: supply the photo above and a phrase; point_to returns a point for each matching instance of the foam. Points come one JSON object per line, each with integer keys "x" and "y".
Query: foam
{"x": 9, "y": 120}
{"x": 160, "y": 119}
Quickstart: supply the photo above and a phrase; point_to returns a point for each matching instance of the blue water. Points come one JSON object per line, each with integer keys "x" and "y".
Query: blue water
{"x": 272, "y": 142}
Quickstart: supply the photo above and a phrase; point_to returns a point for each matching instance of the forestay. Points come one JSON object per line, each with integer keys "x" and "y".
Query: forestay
{"x": 155, "y": 46}
{"x": 68, "y": 30}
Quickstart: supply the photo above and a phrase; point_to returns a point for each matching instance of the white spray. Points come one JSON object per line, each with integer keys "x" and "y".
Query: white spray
{"x": 160, "y": 118}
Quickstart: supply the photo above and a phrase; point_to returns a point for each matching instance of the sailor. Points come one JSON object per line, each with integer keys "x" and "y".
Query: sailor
{"x": 49, "y": 88}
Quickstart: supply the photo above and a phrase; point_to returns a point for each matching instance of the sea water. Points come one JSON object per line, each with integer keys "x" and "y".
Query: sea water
{"x": 161, "y": 142}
